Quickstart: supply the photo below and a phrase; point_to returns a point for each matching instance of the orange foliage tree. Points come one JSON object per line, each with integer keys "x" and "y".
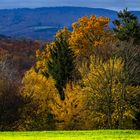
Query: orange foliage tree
{"x": 89, "y": 35}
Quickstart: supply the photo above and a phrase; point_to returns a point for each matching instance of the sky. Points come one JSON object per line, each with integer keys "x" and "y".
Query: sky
{"x": 107, "y": 4}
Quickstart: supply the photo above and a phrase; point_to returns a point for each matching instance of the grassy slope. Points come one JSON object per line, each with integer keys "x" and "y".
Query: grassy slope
{"x": 72, "y": 135}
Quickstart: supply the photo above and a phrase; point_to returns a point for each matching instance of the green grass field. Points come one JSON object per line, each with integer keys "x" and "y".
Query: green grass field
{"x": 72, "y": 135}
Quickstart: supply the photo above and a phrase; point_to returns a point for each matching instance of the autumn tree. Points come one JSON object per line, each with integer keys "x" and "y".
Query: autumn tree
{"x": 36, "y": 114}
{"x": 47, "y": 111}
{"x": 63, "y": 33}
{"x": 108, "y": 92}
{"x": 70, "y": 114}
{"x": 100, "y": 81}
{"x": 89, "y": 36}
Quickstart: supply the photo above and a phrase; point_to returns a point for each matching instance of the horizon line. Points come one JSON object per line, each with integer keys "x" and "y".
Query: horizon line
{"x": 111, "y": 9}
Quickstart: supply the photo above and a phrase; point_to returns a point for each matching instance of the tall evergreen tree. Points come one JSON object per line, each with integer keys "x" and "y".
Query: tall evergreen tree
{"x": 61, "y": 66}
{"x": 127, "y": 26}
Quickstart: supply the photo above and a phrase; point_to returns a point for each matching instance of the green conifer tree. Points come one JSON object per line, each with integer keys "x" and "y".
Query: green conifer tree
{"x": 61, "y": 66}
{"x": 127, "y": 26}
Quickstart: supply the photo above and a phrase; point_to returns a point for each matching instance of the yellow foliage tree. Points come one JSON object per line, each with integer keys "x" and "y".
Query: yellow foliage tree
{"x": 109, "y": 93}
{"x": 68, "y": 114}
{"x": 39, "y": 90}
{"x": 42, "y": 58}
{"x": 71, "y": 113}
{"x": 63, "y": 33}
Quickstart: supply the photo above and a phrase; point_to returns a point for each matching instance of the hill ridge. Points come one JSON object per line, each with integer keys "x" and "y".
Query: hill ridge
{"x": 42, "y": 23}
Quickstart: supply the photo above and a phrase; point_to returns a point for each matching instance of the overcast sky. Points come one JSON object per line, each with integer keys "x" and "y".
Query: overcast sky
{"x": 108, "y": 4}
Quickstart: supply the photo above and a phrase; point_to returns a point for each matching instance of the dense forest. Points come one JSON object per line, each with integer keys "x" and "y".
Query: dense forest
{"x": 87, "y": 78}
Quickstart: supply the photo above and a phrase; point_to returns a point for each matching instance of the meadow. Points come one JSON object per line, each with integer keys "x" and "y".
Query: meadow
{"x": 72, "y": 135}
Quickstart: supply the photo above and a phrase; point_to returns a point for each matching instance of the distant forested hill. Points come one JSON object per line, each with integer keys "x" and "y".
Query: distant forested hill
{"x": 42, "y": 23}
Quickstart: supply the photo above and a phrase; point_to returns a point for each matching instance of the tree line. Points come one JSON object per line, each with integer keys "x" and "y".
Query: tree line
{"x": 87, "y": 78}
